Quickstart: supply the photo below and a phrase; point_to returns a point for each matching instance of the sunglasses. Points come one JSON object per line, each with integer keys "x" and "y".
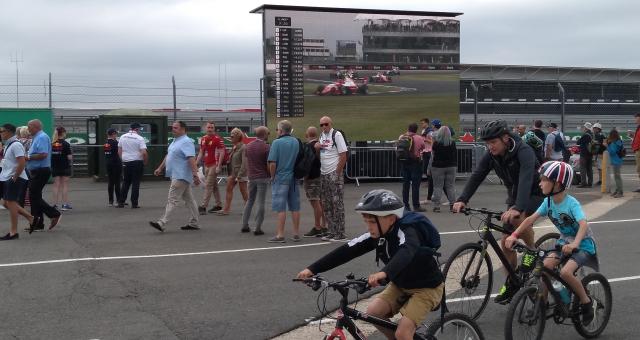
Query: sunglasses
{"x": 324, "y": 124}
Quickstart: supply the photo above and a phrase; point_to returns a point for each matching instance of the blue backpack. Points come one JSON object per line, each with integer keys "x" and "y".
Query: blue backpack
{"x": 427, "y": 230}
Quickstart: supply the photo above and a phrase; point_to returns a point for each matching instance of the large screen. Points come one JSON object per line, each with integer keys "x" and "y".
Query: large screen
{"x": 373, "y": 72}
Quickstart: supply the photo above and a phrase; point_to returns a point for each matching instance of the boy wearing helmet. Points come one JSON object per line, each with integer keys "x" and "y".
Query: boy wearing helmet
{"x": 405, "y": 241}
{"x": 515, "y": 163}
{"x": 566, "y": 213}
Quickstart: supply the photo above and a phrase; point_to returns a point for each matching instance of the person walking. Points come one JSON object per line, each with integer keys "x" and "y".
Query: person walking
{"x": 284, "y": 187}
{"x": 114, "y": 166}
{"x": 586, "y": 157}
{"x": 212, "y": 152}
{"x": 61, "y": 160}
{"x": 13, "y": 179}
{"x": 312, "y": 187}
{"x": 635, "y": 145}
{"x": 237, "y": 170}
{"x": 22, "y": 133}
{"x": 258, "y": 172}
{"x": 181, "y": 168}
{"x": 132, "y": 150}
{"x": 39, "y": 167}
{"x": 427, "y": 134}
{"x": 550, "y": 143}
{"x": 333, "y": 158}
{"x": 443, "y": 168}
{"x": 615, "y": 146}
{"x": 598, "y": 150}
{"x": 411, "y": 168}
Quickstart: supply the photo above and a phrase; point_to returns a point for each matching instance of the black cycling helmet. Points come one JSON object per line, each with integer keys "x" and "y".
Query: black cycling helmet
{"x": 380, "y": 202}
{"x": 494, "y": 129}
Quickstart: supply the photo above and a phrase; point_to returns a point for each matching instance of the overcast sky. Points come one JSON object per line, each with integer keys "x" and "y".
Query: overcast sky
{"x": 153, "y": 39}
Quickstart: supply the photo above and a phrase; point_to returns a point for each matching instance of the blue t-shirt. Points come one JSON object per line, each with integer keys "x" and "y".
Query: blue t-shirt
{"x": 613, "y": 149}
{"x": 566, "y": 217}
{"x": 40, "y": 144}
{"x": 283, "y": 152}
{"x": 177, "y": 162}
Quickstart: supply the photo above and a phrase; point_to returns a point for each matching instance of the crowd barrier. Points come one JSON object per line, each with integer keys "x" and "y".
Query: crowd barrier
{"x": 380, "y": 162}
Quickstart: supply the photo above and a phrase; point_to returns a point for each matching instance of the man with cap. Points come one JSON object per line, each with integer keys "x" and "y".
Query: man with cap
{"x": 549, "y": 143}
{"x": 114, "y": 166}
{"x": 132, "y": 150}
{"x": 598, "y": 138}
{"x": 586, "y": 158}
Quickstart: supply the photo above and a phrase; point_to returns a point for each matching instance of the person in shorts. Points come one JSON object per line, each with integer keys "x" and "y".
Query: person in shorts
{"x": 313, "y": 187}
{"x": 400, "y": 240}
{"x": 13, "y": 179}
{"x": 61, "y": 160}
{"x": 576, "y": 238}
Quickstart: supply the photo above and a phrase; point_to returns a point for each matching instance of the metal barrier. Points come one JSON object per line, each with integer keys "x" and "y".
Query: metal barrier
{"x": 380, "y": 162}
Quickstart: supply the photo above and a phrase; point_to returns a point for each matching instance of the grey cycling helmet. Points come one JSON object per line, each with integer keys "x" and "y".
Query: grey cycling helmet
{"x": 380, "y": 202}
{"x": 494, "y": 129}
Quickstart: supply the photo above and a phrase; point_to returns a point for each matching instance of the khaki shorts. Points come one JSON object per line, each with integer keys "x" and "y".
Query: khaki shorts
{"x": 414, "y": 304}
{"x": 312, "y": 189}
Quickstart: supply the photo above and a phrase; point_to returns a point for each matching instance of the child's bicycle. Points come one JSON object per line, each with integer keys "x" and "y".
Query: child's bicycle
{"x": 529, "y": 308}
{"x": 469, "y": 270}
{"x": 448, "y": 326}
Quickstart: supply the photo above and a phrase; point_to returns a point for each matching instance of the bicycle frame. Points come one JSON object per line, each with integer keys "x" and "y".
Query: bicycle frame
{"x": 544, "y": 274}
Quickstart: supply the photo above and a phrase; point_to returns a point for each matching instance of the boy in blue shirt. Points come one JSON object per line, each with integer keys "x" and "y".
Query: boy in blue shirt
{"x": 567, "y": 215}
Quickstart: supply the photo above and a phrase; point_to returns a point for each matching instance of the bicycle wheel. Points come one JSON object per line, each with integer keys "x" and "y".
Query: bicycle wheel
{"x": 599, "y": 290}
{"x": 525, "y": 317}
{"x": 468, "y": 280}
{"x": 454, "y": 326}
{"x": 547, "y": 241}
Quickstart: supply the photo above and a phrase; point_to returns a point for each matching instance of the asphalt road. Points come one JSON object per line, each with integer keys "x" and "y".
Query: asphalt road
{"x": 105, "y": 274}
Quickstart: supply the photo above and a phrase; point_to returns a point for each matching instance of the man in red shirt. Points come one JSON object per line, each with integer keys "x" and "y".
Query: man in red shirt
{"x": 635, "y": 146}
{"x": 212, "y": 154}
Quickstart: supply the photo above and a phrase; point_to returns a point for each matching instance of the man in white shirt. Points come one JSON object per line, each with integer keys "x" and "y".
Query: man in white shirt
{"x": 133, "y": 152}
{"x": 333, "y": 158}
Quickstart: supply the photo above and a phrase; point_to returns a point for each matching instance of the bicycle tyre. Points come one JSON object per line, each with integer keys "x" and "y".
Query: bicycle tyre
{"x": 524, "y": 295}
{"x": 455, "y": 281}
{"x": 604, "y": 302}
{"x": 457, "y": 323}
{"x": 546, "y": 238}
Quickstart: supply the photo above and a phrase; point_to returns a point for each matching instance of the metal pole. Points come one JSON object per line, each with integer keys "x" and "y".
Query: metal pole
{"x": 175, "y": 111}
{"x": 562, "y": 101}
{"x": 262, "y": 100}
{"x": 50, "y": 99}
{"x": 474, "y": 87}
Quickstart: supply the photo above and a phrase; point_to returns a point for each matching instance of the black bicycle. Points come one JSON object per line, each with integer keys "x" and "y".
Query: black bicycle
{"x": 448, "y": 326}
{"x": 529, "y": 308}
{"x": 469, "y": 270}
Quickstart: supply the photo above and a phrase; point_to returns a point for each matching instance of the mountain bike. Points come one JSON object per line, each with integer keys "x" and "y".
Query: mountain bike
{"x": 448, "y": 326}
{"x": 529, "y": 308}
{"x": 469, "y": 271}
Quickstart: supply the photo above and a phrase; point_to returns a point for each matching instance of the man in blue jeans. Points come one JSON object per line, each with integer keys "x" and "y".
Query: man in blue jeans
{"x": 284, "y": 188}
{"x": 412, "y": 169}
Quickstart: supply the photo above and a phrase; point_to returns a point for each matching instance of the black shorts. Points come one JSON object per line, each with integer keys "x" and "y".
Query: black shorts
{"x": 64, "y": 172}
{"x": 13, "y": 191}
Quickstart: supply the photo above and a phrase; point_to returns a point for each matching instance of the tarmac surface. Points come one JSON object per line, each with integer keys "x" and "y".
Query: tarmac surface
{"x": 104, "y": 273}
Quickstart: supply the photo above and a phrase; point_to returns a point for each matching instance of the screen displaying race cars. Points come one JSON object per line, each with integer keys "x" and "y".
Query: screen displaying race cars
{"x": 372, "y": 71}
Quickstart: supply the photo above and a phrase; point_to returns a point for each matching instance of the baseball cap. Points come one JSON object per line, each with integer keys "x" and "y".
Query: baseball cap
{"x": 553, "y": 125}
{"x": 111, "y": 131}
{"x": 134, "y": 126}
{"x": 436, "y": 123}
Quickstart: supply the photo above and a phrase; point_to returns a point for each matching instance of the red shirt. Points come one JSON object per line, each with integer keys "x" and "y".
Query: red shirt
{"x": 208, "y": 145}
{"x": 635, "y": 146}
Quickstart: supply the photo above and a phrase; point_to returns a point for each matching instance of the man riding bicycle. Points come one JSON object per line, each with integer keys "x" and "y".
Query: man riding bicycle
{"x": 515, "y": 163}
{"x": 405, "y": 243}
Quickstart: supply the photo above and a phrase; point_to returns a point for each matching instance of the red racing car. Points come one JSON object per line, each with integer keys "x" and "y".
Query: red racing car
{"x": 341, "y": 87}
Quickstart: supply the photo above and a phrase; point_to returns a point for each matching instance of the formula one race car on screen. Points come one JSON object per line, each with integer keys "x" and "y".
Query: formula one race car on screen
{"x": 380, "y": 78}
{"x": 341, "y": 87}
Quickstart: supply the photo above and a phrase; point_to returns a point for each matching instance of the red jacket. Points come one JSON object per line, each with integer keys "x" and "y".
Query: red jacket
{"x": 635, "y": 146}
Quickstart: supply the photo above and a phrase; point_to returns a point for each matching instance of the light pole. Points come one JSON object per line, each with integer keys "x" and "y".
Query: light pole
{"x": 476, "y": 89}
{"x": 562, "y": 101}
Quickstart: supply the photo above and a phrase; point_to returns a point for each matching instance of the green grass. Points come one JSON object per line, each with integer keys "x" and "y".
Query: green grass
{"x": 372, "y": 117}
{"x": 427, "y": 76}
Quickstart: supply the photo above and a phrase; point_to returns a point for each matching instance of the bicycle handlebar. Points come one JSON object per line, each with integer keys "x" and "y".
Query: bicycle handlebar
{"x": 360, "y": 285}
{"x": 495, "y": 214}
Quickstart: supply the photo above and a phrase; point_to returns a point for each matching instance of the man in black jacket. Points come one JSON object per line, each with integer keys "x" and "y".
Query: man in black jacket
{"x": 586, "y": 158}
{"x": 515, "y": 163}
{"x": 405, "y": 242}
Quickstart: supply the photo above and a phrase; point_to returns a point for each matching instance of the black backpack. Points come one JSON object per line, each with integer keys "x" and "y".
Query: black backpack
{"x": 558, "y": 143}
{"x": 304, "y": 160}
{"x": 404, "y": 148}
{"x": 346, "y": 142}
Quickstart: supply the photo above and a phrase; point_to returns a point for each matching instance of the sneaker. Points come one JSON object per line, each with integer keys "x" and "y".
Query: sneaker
{"x": 15, "y": 236}
{"x": 327, "y": 237}
{"x": 505, "y": 294}
{"x": 618, "y": 195}
{"x": 214, "y": 209}
{"x": 436, "y": 209}
{"x": 258, "y": 232}
{"x": 586, "y": 310}
{"x": 66, "y": 207}
{"x": 110, "y": 204}
{"x": 202, "y": 210}
{"x": 598, "y": 182}
{"x": 120, "y": 205}
{"x": 419, "y": 209}
{"x": 277, "y": 239}
{"x": 296, "y": 238}
{"x": 156, "y": 225}
{"x": 33, "y": 228}
{"x": 55, "y": 221}
{"x": 245, "y": 230}
{"x": 339, "y": 238}
{"x": 135, "y": 207}
{"x": 314, "y": 233}
{"x": 189, "y": 227}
